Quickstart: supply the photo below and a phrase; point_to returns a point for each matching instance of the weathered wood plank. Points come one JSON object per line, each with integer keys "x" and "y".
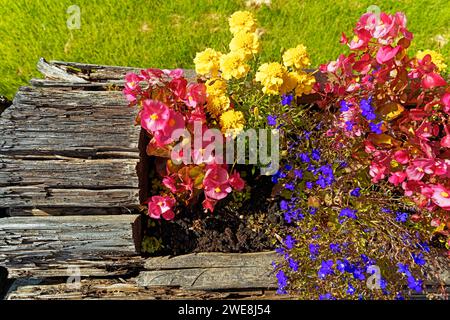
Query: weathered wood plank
{"x": 74, "y": 123}
{"x": 211, "y": 260}
{"x": 53, "y": 72}
{"x": 66, "y": 211}
{"x": 111, "y": 289}
{"x": 41, "y": 195}
{"x": 47, "y": 246}
{"x": 70, "y": 173}
{"x": 93, "y": 72}
{"x": 211, "y": 271}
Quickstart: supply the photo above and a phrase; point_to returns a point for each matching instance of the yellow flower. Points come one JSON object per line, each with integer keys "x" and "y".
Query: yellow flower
{"x": 289, "y": 82}
{"x": 297, "y": 57}
{"x": 305, "y": 83}
{"x": 245, "y": 42}
{"x": 207, "y": 62}
{"x": 216, "y": 105}
{"x": 216, "y": 87}
{"x": 233, "y": 65}
{"x": 436, "y": 58}
{"x": 232, "y": 122}
{"x": 271, "y": 75}
{"x": 242, "y": 21}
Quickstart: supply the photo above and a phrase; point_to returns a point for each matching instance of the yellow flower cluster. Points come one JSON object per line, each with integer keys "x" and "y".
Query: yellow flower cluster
{"x": 207, "y": 62}
{"x": 242, "y": 21}
{"x": 217, "y": 100}
{"x": 233, "y": 65}
{"x": 296, "y": 58}
{"x": 246, "y": 43}
{"x": 436, "y": 58}
{"x": 276, "y": 79}
{"x": 232, "y": 122}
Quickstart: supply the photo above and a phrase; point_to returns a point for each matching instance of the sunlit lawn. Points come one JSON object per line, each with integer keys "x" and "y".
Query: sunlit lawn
{"x": 164, "y": 33}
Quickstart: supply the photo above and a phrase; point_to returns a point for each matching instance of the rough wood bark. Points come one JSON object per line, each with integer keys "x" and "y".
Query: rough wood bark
{"x": 47, "y": 246}
{"x": 211, "y": 271}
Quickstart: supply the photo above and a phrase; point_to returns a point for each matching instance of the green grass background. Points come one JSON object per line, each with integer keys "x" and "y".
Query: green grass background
{"x": 164, "y": 33}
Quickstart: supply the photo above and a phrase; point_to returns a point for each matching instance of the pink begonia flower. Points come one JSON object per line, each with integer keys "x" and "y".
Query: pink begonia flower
{"x": 216, "y": 182}
{"x": 400, "y": 18}
{"x": 418, "y": 168}
{"x": 132, "y": 88}
{"x": 441, "y": 197}
{"x": 435, "y": 222}
{"x": 397, "y": 178}
{"x": 161, "y": 206}
{"x": 175, "y": 121}
{"x": 208, "y": 204}
{"x": 445, "y": 141}
{"x": 431, "y": 80}
{"x": 170, "y": 183}
{"x": 154, "y": 115}
{"x": 152, "y": 75}
{"x": 411, "y": 187}
{"x": 196, "y": 95}
{"x": 369, "y": 147}
{"x": 175, "y": 73}
{"x": 178, "y": 88}
{"x": 132, "y": 81}
{"x": 427, "y": 130}
{"x": 236, "y": 181}
{"x": 387, "y": 53}
{"x": 377, "y": 172}
{"x": 401, "y": 156}
{"x": 441, "y": 167}
{"x": 446, "y": 102}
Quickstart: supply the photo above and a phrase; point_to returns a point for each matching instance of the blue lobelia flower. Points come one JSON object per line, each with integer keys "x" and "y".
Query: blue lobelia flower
{"x": 282, "y": 282}
{"x": 309, "y": 185}
{"x": 326, "y": 268}
{"x": 289, "y": 242}
{"x": 321, "y": 182}
{"x": 340, "y": 266}
{"x": 344, "y": 106}
{"x": 314, "y": 250}
{"x": 401, "y": 216}
{"x": 348, "y": 213}
{"x": 286, "y": 99}
{"x": 289, "y": 186}
{"x": 272, "y": 120}
{"x": 419, "y": 259}
{"x": 304, "y": 157}
{"x": 284, "y": 205}
{"x": 312, "y": 210}
{"x": 376, "y": 127}
{"x": 355, "y": 192}
{"x": 403, "y": 268}
{"x": 326, "y": 296}
{"x": 415, "y": 284}
{"x": 351, "y": 290}
{"x": 335, "y": 248}
{"x": 315, "y": 154}
{"x": 298, "y": 173}
{"x": 349, "y": 125}
{"x": 293, "y": 264}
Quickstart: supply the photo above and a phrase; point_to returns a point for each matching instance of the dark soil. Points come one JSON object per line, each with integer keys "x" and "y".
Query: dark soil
{"x": 228, "y": 229}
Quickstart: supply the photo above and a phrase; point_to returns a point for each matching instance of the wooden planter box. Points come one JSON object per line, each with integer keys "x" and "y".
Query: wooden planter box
{"x": 70, "y": 162}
